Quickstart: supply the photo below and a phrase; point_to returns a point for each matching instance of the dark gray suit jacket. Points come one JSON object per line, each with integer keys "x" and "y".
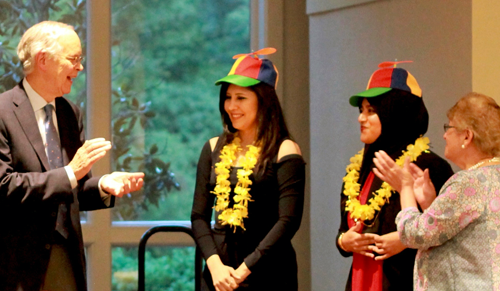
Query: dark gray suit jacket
{"x": 30, "y": 192}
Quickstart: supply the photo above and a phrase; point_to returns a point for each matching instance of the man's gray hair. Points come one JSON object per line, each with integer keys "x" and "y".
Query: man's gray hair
{"x": 41, "y": 37}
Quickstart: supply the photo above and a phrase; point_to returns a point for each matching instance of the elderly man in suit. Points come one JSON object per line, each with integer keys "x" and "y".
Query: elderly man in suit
{"x": 45, "y": 166}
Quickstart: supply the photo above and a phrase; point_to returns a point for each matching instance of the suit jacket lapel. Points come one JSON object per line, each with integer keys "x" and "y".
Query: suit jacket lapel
{"x": 67, "y": 122}
{"x": 26, "y": 117}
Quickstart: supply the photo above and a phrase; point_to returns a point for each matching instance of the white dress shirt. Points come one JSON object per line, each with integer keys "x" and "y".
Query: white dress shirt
{"x": 38, "y": 103}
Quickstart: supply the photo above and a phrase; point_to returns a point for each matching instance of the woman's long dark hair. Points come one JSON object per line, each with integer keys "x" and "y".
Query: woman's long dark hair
{"x": 271, "y": 126}
{"x": 403, "y": 117}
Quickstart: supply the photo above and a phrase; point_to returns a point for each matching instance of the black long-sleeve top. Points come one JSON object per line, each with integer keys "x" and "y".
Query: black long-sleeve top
{"x": 274, "y": 216}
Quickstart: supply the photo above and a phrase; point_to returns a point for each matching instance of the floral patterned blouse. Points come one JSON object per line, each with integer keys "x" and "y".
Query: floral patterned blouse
{"x": 458, "y": 236}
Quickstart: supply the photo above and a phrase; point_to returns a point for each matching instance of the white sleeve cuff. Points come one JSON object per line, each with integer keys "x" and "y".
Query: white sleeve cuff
{"x": 71, "y": 177}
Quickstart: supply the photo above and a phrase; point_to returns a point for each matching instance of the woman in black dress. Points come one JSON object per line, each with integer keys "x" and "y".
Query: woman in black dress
{"x": 253, "y": 176}
{"x": 393, "y": 118}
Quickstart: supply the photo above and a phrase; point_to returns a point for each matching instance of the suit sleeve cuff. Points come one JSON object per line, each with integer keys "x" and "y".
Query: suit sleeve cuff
{"x": 106, "y": 197}
{"x": 71, "y": 177}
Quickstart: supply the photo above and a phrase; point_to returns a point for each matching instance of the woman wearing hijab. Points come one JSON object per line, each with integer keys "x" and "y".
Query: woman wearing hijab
{"x": 457, "y": 234}
{"x": 393, "y": 118}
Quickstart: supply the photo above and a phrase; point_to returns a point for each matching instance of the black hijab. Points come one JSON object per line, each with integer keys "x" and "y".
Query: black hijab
{"x": 404, "y": 118}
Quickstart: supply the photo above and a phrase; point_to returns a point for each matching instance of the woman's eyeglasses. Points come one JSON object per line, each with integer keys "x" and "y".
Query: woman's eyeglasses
{"x": 446, "y": 126}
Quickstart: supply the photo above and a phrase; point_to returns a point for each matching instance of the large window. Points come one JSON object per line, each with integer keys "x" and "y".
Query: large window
{"x": 164, "y": 56}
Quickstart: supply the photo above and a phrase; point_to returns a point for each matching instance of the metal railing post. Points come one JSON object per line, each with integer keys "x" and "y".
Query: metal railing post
{"x": 142, "y": 252}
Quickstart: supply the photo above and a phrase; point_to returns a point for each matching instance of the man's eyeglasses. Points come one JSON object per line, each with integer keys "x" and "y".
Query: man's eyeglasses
{"x": 75, "y": 60}
{"x": 446, "y": 126}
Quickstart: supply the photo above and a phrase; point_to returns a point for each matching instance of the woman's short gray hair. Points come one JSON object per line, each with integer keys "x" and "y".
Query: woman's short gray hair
{"x": 41, "y": 37}
{"x": 480, "y": 114}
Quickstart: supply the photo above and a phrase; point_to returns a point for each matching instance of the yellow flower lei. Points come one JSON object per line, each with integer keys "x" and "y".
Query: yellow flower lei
{"x": 352, "y": 187}
{"x": 234, "y": 216}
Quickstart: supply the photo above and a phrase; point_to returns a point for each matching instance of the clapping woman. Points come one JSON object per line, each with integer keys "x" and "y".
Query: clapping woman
{"x": 457, "y": 236}
{"x": 392, "y": 118}
{"x": 253, "y": 175}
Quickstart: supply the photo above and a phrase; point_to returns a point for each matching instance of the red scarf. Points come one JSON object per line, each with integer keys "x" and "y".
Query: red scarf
{"x": 366, "y": 272}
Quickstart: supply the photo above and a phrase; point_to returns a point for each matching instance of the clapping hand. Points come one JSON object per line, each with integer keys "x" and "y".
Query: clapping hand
{"x": 121, "y": 183}
{"x": 87, "y": 155}
{"x": 424, "y": 190}
{"x": 410, "y": 175}
{"x": 388, "y": 171}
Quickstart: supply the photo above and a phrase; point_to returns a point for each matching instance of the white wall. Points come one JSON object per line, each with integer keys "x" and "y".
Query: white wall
{"x": 346, "y": 45}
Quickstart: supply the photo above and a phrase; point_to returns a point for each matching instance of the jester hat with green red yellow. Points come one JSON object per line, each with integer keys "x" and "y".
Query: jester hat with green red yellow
{"x": 385, "y": 79}
{"x": 249, "y": 70}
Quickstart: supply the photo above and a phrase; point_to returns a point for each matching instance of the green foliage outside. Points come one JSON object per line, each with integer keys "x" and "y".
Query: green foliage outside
{"x": 17, "y": 16}
{"x": 167, "y": 269}
{"x": 170, "y": 53}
